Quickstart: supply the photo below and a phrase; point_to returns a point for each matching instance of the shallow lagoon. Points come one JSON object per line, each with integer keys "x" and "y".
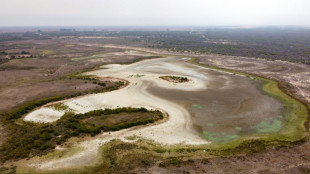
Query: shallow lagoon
{"x": 231, "y": 105}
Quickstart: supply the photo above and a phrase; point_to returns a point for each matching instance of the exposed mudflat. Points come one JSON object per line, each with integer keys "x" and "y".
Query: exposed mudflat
{"x": 44, "y": 115}
{"x": 212, "y": 106}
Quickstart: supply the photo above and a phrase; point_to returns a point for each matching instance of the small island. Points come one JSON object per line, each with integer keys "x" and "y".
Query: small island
{"x": 175, "y": 79}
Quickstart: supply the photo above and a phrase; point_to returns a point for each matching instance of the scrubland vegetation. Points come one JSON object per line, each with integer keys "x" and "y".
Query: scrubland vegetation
{"x": 29, "y": 139}
{"x": 290, "y": 44}
{"x": 273, "y": 43}
{"x": 87, "y": 78}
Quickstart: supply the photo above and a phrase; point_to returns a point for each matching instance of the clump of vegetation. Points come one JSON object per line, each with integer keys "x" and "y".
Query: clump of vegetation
{"x": 48, "y": 52}
{"x": 69, "y": 45}
{"x": 78, "y": 124}
{"x": 93, "y": 79}
{"x": 3, "y": 53}
{"x": 136, "y": 75}
{"x": 29, "y": 139}
{"x": 132, "y": 137}
{"x": 175, "y": 79}
{"x": 153, "y": 57}
{"x": 8, "y": 170}
{"x": 59, "y": 107}
{"x": 99, "y": 83}
{"x": 24, "y": 52}
{"x": 82, "y": 77}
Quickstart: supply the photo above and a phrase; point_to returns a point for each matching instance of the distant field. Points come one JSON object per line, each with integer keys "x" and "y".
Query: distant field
{"x": 89, "y": 57}
{"x": 291, "y": 44}
{"x": 274, "y": 43}
{"x": 48, "y": 52}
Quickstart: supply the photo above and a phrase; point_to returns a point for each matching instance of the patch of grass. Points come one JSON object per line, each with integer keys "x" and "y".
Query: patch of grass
{"x": 210, "y": 124}
{"x": 219, "y": 137}
{"x": 307, "y": 53}
{"x": 8, "y": 170}
{"x": 106, "y": 120}
{"x": 197, "y": 106}
{"x": 48, "y": 52}
{"x": 69, "y": 45}
{"x": 81, "y": 76}
{"x": 121, "y": 157}
{"x": 89, "y": 57}
{"x": 295, "y": 113}
{"x": 93, "y": 79}
{"x": 59, "y": 107}
{"x": 132, "y": 137}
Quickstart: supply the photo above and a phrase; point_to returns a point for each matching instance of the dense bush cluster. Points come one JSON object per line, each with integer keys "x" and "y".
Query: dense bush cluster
{"x": 83, "y": 77}
{"x": 175, "y": 79}
{"x": 76, "y": 125}
{"x": 93, "y": 79}
{"x": 36, "y": 139}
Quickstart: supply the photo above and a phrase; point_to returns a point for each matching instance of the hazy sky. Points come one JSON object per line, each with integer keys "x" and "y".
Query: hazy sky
{"x": 154, "y": 12}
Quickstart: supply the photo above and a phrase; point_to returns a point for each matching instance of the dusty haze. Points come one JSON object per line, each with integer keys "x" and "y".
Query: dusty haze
{"x": 153, "y": 12}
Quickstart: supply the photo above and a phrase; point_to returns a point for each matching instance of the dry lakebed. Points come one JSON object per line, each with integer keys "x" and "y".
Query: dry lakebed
{"x": 210, "y": 110}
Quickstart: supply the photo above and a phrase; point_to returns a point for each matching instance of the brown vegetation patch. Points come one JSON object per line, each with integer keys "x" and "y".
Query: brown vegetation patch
{"x": 106, "y": 120}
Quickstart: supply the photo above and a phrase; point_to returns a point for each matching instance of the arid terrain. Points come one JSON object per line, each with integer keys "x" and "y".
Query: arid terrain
{"x": 60, "y": 65}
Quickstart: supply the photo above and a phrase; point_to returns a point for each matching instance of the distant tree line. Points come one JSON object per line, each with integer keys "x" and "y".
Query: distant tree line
{"x": 290, "y": 44}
